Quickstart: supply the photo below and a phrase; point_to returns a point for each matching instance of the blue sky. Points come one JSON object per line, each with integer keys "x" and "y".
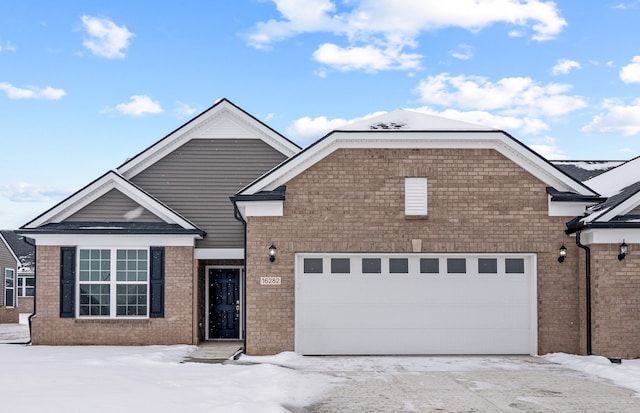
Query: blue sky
{"x": 86, "y": 84}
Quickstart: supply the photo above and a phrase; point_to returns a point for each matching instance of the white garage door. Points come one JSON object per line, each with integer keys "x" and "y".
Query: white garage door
{"x": 415, "y": 304}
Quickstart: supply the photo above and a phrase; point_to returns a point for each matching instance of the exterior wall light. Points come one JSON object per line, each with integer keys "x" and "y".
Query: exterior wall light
{"x": 563, "y": 253}
{"x": 272, "y": 253}
{"x": 624, "y": 249}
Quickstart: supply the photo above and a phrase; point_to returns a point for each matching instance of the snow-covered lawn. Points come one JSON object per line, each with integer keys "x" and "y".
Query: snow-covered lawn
{"x": 154, "y": 378}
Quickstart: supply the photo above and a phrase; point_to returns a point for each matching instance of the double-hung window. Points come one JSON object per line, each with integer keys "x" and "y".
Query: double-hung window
{"x": 9, "y": 287}
{"x": 113, "y": 283}
{"x": 26, "y": 286}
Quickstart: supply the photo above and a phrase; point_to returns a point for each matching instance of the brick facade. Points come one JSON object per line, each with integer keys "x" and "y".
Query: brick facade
{"x": 353, "y": 201}
{"x": 175, "y": 328}
{"x": 615, "y": 287}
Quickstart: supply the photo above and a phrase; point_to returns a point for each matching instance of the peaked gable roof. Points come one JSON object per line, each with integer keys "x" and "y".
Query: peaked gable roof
{"x": 409, "y": 129}
{"x": 616, "y": 179}
{"x": 107, "y": 182}
{"x": 223, "y": 109}
{"x": 22, "y": 251}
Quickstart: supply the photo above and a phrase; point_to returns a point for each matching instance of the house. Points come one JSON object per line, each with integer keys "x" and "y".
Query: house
{"x": 401, "y": 234}
{"x": 17, "y": 276}
{"x": 151, "y": 252}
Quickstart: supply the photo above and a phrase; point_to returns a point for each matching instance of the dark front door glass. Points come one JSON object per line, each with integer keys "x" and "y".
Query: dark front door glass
{"x": 224, "y": 303}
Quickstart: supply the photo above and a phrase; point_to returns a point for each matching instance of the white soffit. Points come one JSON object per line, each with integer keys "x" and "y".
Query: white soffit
{"x": 100, "y": 187}
{"x": 496, "y": 140}
{"x": 622, "y": 209}
{"x": 223, "y": 112}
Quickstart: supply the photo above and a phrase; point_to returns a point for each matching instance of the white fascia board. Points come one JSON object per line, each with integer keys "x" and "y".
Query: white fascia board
{"x": 567, "y": 209}
{"x": 622, "y": 209}
{"x": 190, "y": 131}
{"x": 106, "y": 183}
{"x": 110, "y": 240}
{"x": 260, "y": 208}
{"x": 610, "y": 236}
{"x": 496, "y": 140}
{"x": 219, "y": 253}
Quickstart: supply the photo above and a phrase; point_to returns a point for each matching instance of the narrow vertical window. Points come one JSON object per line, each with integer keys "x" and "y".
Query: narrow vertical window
{"x": 415, "y": 196}
{"x": 9, "y": 287}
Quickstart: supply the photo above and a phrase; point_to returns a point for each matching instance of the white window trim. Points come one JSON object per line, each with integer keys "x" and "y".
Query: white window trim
{"x": 415, "y": 196}
{"x": 23, "y": 288}
{"x": 112, "y": 283}
{"x": 15, "y": 299}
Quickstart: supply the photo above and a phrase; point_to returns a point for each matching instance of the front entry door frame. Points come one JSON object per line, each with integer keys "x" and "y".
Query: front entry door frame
{"x": 207, "y": 298}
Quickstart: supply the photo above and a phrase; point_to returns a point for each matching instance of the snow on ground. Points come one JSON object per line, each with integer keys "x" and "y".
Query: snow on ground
{"x": 154, "y": 378}
{"x": 626, "y": 374}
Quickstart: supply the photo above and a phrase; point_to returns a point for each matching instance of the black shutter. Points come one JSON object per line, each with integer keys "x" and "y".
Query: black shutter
{"x": 67, "y": 282}
{"x": 156, "y": 282}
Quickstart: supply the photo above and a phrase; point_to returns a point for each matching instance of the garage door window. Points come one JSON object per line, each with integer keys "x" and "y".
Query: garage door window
{"x": 371, "y": 266}
{"x": 313, "y": 265}
{"x": 429, "y": 266}
{"x": 487, "y": 265}
{"x": 398, "y": 265}
{"x": 456, "y": 266}
{"x": 340, "y": 265}
{"x": 514, "y": 265}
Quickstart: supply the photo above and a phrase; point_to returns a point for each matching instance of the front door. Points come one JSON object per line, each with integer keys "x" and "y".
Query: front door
{"x": 224, "y": 303}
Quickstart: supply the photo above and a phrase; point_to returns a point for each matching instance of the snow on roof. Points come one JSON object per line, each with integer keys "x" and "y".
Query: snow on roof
{"x": 411, "y": 120}
{"x": 584, "y": 170}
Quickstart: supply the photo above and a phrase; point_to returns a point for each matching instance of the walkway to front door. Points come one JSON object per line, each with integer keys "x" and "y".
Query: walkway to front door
{"x": 224, "y": 303}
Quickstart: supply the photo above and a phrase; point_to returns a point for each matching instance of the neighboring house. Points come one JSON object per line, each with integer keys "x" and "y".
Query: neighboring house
{"x": 401, "y": 234}
{"x": 17, "y": 276}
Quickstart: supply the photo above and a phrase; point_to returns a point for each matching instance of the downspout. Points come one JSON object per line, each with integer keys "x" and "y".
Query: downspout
{"x": 587, "y": 273}
{"x": 35, "y": 287}
{"x": 238, "y": 216}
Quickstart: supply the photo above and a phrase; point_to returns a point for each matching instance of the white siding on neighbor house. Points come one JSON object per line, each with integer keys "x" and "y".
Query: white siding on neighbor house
{"x": 113, "y": 206}
{"x": 197, "y": 179}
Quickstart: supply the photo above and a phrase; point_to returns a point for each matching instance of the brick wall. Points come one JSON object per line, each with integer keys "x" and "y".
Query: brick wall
{"x": 615, "y": 302}
{"x": 175, "y": 328}
{"x": 353, "y": 201}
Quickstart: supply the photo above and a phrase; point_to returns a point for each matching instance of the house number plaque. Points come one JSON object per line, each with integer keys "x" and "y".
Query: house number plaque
{"x": 270, "y": 280}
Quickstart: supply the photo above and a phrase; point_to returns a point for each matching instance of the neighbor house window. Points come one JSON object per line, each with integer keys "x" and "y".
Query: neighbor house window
{"x": 9, "y": 287}
{"x": 26, "y": 286}
{"x": 415, "y": 196}
{"x": 101, "y": 294}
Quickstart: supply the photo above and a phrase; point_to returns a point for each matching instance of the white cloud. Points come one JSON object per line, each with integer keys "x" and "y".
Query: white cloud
{"x": 105, "y": 39}
{"x": 182, "y": 110}
{"x": 7, "y": 47}
{"x": 564, "y": 66}
{"x": 369, "y": 58}
{"x": 387, "y": 27}
{"x": 631, "y": 72}
{"x": 306, "y": 130}
{"x": 24, "y": 192}
{"x": 462, "y": 52}
{"x": 31, "y": 92}
{"x": 617, "y": 118}
{"x": 510, "y": 96}
{"x": 548, "y": 148}
{"x": 140, "y": 105}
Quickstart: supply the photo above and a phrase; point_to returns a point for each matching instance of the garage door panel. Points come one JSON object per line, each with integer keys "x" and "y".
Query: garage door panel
{"x": 341, "y": 316}
{"x": 413, "y": 313}
{"x": 413, "y": 341}
{"x": 359, "y": 289}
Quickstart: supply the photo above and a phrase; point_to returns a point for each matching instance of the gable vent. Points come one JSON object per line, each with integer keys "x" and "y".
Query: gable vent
{"x": 415, "y": 196}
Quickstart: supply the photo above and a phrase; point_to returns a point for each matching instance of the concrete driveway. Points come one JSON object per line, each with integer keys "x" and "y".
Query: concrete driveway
{"x": 462, "y": 384}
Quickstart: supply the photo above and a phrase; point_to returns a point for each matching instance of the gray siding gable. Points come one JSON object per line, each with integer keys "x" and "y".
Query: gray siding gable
{"x": 197, "y": 179}
{"x": 114, "y": 206}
